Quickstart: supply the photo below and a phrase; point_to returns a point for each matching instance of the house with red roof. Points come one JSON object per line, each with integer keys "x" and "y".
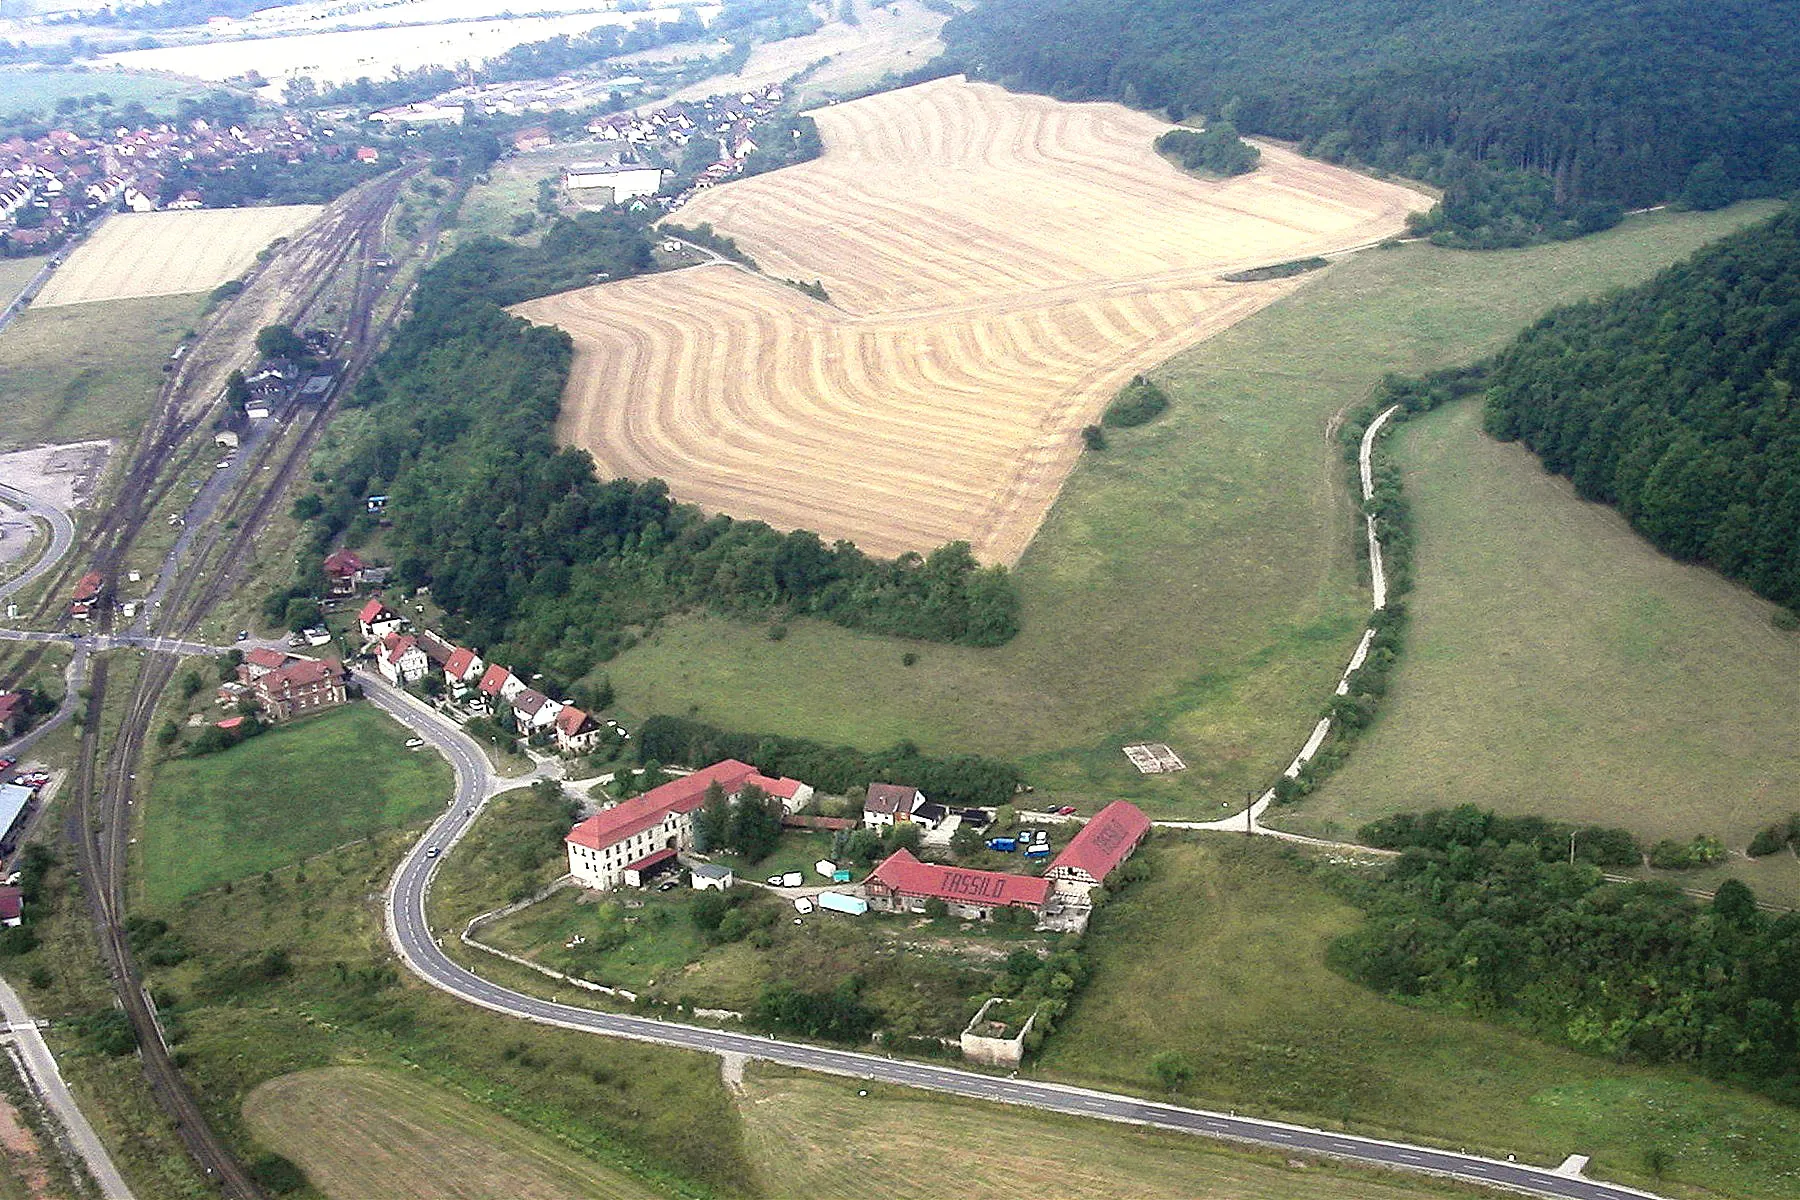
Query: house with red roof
{"x": 1103, "y": 844}
{"x": 401, "y": 660}
{"x": 12, "y": 907}
{"x": 902, "y": 883}
{"x": 15, "y": 713}
{"x": 260, "y": 662}
{"x": 342, "y": 568}
{"x": 302, "y": 685}
{"x": 626, "y": 843}
{"x": 377, "y": 620}
{"x": 576, "y": 732}
{"x": 463, "y": 670}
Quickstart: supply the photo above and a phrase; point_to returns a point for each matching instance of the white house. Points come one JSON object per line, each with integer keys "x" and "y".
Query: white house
{"x": 705, "y": 877}
{"x": 600, "y": 183}
{"x": 401, "y": 660}
{"x": 891, "y": 804}
{"x": 532, "y": 710}
{"x": 377, "y": 620}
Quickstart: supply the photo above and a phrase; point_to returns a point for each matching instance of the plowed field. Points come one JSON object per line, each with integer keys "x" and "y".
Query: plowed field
{"x": 997, "y": 265}
{"x": 169, "y": 253}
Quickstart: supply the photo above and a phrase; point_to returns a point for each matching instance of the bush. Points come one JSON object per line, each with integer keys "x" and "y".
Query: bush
{"x": 1138, "y": 402}
{"x": 1785, "y": 619}
{"x": 107, "y": 1032}
{"x": 1093, "y": 437}
{"x": 277, "y": 1174}
{"x": 1671, "y": 855}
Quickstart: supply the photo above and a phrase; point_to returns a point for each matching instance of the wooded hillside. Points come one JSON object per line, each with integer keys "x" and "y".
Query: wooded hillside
{"x": 1539, "y": 119}
{"x": 1675, "y": 401}
{"x": 545, "y": 562}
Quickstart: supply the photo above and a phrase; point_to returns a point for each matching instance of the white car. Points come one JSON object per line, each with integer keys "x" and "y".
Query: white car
{"x": 414, "y": 743}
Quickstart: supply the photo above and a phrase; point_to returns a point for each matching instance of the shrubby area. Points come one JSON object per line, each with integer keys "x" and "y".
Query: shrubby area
{"x": 1218, "y": 150}
{"x": 1138, "y": 402}
{"x": 1486, "y": 914}
{"x": 1538, "y": 121}
{"x": 965, "y": 779}
{"x": 545, "y": 562}
{"x": 1674, "y": 401}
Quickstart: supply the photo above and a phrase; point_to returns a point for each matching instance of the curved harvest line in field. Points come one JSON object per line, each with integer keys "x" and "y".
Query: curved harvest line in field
{"x": 998, "y": 266}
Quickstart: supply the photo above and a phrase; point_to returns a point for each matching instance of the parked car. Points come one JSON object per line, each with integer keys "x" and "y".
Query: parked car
{"x": 1067, "y": 810}
{"x": 774, "y": 881}
{"x": 414, "y": 743}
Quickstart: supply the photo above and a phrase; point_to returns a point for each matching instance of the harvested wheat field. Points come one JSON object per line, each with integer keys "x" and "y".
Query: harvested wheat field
{"x": 998, "y": 265}
{"x": 169, "y": 253}
{"x": 362, "y": 1134}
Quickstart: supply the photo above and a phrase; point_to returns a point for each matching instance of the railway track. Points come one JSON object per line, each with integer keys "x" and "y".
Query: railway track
{"x": 98, "y": 824}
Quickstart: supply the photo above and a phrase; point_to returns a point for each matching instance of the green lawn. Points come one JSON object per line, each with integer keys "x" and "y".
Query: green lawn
{"x": 87, "y": 370}
{"x": 15, "y": 273}
{"x": 38, "y": 90}
{"x": 926, "y": 977}
{"x": 1558, "y": 664}
{"x": 1199, "y": 581}
{"x": 297, "y": 790}
{"x": 1220, "y": 957}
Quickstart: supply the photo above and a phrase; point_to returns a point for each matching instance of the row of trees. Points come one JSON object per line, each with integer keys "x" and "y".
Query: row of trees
{"x": 1539, "y": 121}
{"x": 1675, "y": 402}
{"x": 963, "y": 779}
{"x": 1637, "y": 972}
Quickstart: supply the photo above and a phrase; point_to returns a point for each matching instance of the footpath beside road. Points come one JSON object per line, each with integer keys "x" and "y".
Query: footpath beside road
{"x": 47, "y": 1081}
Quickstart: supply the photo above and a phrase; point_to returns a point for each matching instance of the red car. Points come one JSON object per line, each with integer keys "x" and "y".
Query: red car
{"x": 1067, "y": 810}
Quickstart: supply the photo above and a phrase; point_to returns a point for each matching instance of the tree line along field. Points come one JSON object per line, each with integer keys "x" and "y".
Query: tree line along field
{"x": 1196, "y": 583}
{"x": 169, "y": 253}
{"x": 997, "y": 267}
{"x": 1557, "y": 663}
{"x": 1220, "y": 958}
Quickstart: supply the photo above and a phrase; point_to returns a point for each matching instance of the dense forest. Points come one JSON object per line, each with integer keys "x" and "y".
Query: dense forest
{"x": 545, "y": 562}
{"x": 1675, "y": 401}
{"x": 1491, "y": 917}
{"x": 1539, "y": 120}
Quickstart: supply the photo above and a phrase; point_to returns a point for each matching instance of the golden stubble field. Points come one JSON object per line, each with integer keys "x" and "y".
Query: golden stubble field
{"x": 997, "y": 266}
{"x": 169, "y": 253}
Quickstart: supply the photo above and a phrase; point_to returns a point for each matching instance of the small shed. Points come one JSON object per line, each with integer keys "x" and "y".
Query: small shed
{"x": 709, "y": 878}
{"x": 226, "y": 438}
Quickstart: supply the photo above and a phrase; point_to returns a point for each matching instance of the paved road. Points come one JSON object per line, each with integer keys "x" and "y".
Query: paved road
{"x": 62, "y": 536}
{"x": 120, "y": 641}
{"x": 424, "y": 956}
{"x": 49, "y": 1084}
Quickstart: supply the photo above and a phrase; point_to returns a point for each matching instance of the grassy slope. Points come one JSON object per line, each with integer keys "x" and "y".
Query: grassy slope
{"x": 813, "y": 1138}
{"x": 1249, "y": 1001}
{"x": 1558, "y": 664}
{"x": 1198, "y": 582}
{"x": 373, "y": 1135}
{"x": 296, "y": 790}
{"x": 87, "y": 370}
{"x": 15, "y": 273}
{"x": 27, "y": 91}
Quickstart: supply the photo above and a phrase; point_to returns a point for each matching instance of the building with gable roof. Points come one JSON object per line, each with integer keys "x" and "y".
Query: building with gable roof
{"x": 301, "y": 685}
{"x": 1098, "y": 850}
{"x": 624, "y": 843}
{"x": 902, "y": 883}
{"x": 377, "y": 620}
{"x": 401, "y": 660}
{"x": 891, "y": 804}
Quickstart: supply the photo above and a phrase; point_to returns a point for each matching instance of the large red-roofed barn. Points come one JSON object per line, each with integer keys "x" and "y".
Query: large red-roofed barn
{"x": 903, "y": 884}
{"x": 1097, "y": 851}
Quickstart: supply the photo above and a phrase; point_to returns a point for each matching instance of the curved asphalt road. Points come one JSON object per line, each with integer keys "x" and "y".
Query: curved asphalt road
{"x": 62, "y": 536}
{"x": 423, "y": 955}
